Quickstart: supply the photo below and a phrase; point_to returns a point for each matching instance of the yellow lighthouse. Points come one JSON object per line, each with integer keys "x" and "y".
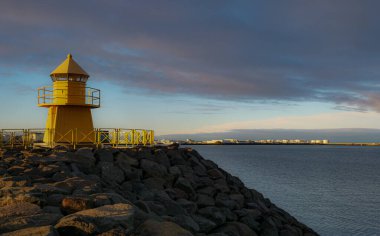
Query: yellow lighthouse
{"x": 69, "y": 102}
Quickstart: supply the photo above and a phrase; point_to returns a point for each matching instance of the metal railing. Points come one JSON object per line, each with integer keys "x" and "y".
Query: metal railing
{"x": 100, "y": 137}
{"x": 48, "y": 95}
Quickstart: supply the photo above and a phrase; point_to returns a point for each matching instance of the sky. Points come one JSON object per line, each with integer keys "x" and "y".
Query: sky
{"x": 190, "y": 67}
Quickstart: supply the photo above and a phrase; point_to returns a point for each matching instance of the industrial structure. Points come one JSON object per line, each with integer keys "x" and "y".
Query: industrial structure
{"x": 69, "y": 121}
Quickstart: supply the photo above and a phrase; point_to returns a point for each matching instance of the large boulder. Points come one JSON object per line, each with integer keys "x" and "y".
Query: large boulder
{"x": 24, "y": 215}
{"x": 125, "y": 160}
{"x": 111, "y": 173}
{"x": 71, "y": 204}
{"x": 172, "y": 207}
{"x": 235, "y": 229}
{"x": 77, "y": 183}
{"x": 105, "y": 155}
{"x": 214, "y": 214}
{"x": 176, "y": 158}
{"x": 156, "y": 228}
{"x": 187, "y": 222}
{"x": 84, "y": 159}
{"x": 205, "y": 201}
{"x": 185, "y": 185}
{"x": 205, "y": 225}
{"x": 97, "y": 220}
{"x": 15, "y": 181}
{"x": 34, "y": 231}
{"x": 153, "y": 169}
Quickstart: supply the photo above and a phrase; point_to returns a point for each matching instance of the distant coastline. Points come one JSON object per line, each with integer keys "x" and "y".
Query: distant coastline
{"x": 292, "y": 144}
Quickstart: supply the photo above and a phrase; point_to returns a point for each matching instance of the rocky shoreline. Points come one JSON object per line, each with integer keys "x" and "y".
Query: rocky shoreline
{"x": 158, "y": 191}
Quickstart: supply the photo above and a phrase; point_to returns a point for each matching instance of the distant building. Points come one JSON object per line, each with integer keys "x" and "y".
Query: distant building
{"x": 216, "y": 141}
{"x": 165, "y": 141}
{"x": 230, "y": 140}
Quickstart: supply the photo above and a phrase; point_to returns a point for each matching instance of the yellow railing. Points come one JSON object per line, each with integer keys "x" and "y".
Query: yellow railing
{"x": 100, "y": 137}
{"x": 48, "y": 95}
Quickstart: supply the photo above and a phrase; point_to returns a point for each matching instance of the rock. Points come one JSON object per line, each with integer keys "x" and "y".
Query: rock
{"x": 235, "y": 229}
{"x": 114, "y": 232}
{"x": 156, "y": 207}
{"x": 186, "y": 170}
{"x": 184, "y": 185}
{"x": 60, "y": 176}
{"x": 142, "y": 206}
{"x": 179, "y": 193}
{"x": 101, "y": 199}
{"x": 214, "y": 214}
{"x": 34, "y": 231}
{"x": 15, "y": 169}
{"x": 174, "y": 188}
{"x": 200, "y": 171}
{"x": 73, "y": 204}
{"x": 176, "y": 158}
{"x": 49, "y": 170}
{"x": 84, "y": 159}
{"x": 209, "y": 164}
{"x": 52, "y": 209}
{"x": 205, "y": 225}
{"x": 55, "y": 199}
{"x": 97, "y": 220}
{"x": 154, "y": 183}
{"x": 268, "y": 228}
{"x": 250, "y": 222}
{"x": 187, "y": 222}
{"x": 156, "y": 228}
{"x": 251, "y": 213}
{"x": 49, "y": 189}
{"x": 111, "y": 173}
{"x": 104, "y": 155}
{"x": 288, "y": 232}
{"x": 12, "y": 195}
{"x": 141, "y": 191}
{"x": 189, "y": 206}
{"x": 15, "y": 181}
{"x": 84, "y": 152}
{"x": 204, "y": 182}
{"x": 126, "y": 160}
{"x": 19, "y": 209}
{"x": 132, "y": 174}
{"x": 162, "y": 158}
{"x": 172, "y": 207}
{"x": 78, "y": 183}
{"x": 235, "y": 181}
{"x": 222, "y": 186}
{"x": 230, "y": 216}
{"x": 224, "y": 200}
{"x": 153, "y": 169}
{"x": 23, "y": 218}
{"x": 205, "y": 200}
{"x": 239, "y": 199}
{"x": 175, "y": 170}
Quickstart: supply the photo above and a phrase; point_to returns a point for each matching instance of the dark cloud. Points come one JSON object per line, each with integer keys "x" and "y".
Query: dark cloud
{"x": 232, "y": 50}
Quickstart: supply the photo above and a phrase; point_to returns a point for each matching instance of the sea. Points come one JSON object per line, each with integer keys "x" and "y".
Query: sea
{"x": 335, "y": 190}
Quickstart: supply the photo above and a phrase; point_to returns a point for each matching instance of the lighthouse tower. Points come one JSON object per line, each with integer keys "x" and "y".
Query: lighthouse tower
{"x": 69, "y": 102}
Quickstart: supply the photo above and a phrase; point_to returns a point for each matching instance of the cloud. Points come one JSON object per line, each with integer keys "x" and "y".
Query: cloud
{"x": 242, "y": 50}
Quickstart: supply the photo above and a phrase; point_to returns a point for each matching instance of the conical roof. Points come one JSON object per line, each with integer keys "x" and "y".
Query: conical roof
{"x": 69, "y": 67}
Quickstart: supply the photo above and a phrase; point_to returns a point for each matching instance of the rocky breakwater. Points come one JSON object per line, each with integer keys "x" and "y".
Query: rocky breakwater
{"x": 147, "y": 191}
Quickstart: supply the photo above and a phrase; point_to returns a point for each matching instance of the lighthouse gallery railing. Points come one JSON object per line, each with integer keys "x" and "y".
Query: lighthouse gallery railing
{"x": 48, "y": 95}
{"x": 115, "y": 137}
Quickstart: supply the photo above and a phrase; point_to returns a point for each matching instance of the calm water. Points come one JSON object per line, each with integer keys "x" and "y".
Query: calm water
{"x": 334, "y": 190}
